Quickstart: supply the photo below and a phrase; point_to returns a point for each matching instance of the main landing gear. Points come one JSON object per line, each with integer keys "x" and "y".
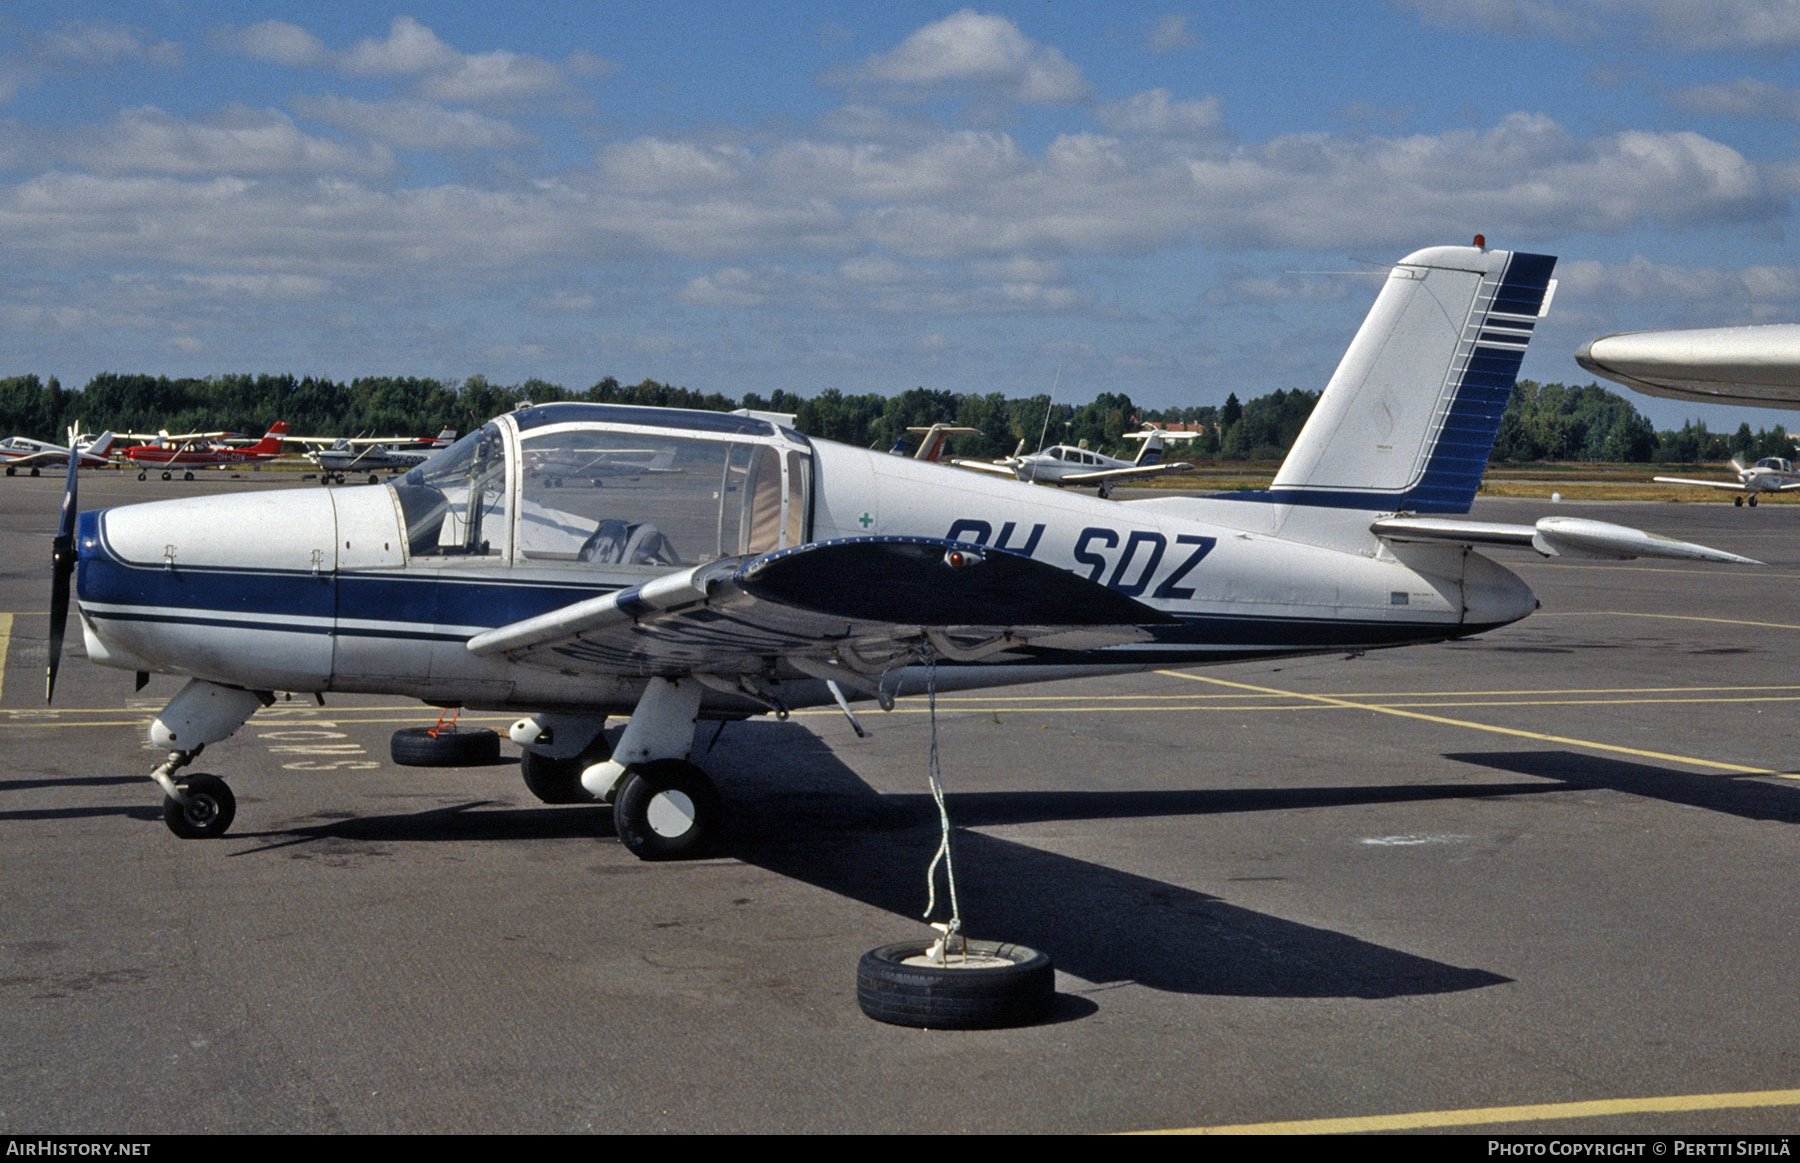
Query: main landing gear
{"x": 664, "y": 807}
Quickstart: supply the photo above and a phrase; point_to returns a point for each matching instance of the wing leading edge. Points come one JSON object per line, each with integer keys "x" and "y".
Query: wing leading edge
{"x": 859, "y": 602}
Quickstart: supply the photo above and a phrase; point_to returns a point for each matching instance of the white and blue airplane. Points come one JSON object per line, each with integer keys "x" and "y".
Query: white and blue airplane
{"x": 1066, "y": 465}
{"x": 1771, "y": 474}
{"x": 771, "y": 572}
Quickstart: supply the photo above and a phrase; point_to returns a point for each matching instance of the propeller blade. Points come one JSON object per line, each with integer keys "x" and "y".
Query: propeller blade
{"x": 62, "y": 570}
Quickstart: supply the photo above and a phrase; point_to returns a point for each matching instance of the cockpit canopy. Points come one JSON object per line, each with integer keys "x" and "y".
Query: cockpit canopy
{"x": 596, "y": 484}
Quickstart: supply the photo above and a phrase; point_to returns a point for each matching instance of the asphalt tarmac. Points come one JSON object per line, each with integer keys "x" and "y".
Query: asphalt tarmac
{"x": 1542, "y": 881}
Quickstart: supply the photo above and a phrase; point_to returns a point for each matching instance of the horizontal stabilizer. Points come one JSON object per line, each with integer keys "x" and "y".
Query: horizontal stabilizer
{"x": 1553, "y": 537}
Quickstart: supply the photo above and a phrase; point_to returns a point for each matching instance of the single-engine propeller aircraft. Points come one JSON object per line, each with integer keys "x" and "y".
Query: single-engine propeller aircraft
{"x": 22, "y": 452}
{"x": 765, "y": 571}
{"x": 338, "y": 457}
{"x": 1771, "y": 474}
{"x": 1065, "y": 465}
{"x": 203, "y": 450}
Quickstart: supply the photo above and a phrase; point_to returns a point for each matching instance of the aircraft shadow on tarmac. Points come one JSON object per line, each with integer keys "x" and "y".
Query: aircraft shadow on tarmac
{"x": 1749, "y": 797}
{"x": 797, "y": 810}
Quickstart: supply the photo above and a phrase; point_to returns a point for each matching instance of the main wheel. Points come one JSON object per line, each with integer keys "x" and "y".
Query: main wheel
{"x": 209, "y": 811}
{"x": 666, "y": 809}
{"x": 557, "y": 781}
{"x": 993, "y": 984}
{"x": 1753, "y": 500}
{"x": 418, "y": 747}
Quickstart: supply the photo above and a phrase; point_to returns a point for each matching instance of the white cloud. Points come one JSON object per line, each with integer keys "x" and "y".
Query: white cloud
{"x": 1665, "y": 285}
{"x": 237, "y": 141}
{"x": 1156, "y": 113}
{"x": 97, "y": 44}
{"x": 493, "y": 76}
{"x": 1745, "y": 97}
{"x": 409, "y": 49}
{"x": 968, "y": 49}
{"x": 412, "y": 124}
{"x": 275, "y": 41}
{"x": 1680, "y": 25}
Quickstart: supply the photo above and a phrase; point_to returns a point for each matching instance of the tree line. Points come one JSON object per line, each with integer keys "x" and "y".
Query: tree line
{"x": 1542, "y": 422}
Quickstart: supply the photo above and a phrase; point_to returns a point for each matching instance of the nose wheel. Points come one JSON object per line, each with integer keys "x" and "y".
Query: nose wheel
{"x": 207, "y": 812}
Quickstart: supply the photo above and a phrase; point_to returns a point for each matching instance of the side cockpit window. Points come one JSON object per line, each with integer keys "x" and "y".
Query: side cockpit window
{"x": 652, "y": 499}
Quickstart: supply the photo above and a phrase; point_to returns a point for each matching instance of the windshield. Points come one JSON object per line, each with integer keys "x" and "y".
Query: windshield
{"x": 455, "y": 502}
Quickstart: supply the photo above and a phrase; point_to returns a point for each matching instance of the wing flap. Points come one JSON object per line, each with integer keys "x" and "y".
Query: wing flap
{"x": 859, "y": 601}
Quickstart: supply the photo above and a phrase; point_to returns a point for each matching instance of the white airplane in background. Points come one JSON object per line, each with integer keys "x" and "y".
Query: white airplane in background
{"x": 1771, "y": 474}
{"x": 338, "y": 457}
{"x": 1064, "y": 465}
{"x": 1758, "y": 365}
{"x": 22, "y": 452}
{"x": 769, "y": 572}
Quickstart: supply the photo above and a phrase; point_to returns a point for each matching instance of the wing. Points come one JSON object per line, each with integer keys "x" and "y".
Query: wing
{"x": 858, "y": 603}
{"x": 37, "y": 459}
{"x": 1552, "y": 537}
{"x": 1728, "y": 486}
{"x": 1116, "y": 475}
{"x": 987, "y": 466}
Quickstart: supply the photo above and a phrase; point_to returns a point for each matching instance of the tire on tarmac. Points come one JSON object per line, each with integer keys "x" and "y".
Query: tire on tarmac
{"x": 1000, "y": 984}
{"x": 418, "y": 747}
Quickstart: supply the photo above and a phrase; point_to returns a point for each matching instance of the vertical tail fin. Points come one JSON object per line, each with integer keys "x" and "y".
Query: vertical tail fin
{"x": 1151, "y": 453}
{"x": 272, "y": 442}
{"x": 1409, "y": 418}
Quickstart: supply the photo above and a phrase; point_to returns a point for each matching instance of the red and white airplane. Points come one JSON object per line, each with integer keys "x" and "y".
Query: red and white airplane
{"x": 203, "y": 450}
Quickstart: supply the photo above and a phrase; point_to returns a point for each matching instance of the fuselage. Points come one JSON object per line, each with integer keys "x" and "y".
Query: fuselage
{"x": 44, "y": 455}
{"x": 378, "y": 588}
{"x": 1063, "y": 460}
{"x": 152, "y": 454}
{"x": 1771, "y": 474}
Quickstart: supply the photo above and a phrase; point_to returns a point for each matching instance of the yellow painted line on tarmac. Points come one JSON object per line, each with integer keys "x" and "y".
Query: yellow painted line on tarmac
{"x": 5, "y": 645}
{"x": 1478, "y": 1116}
{"x": 1349, "y": 704}
{"x": 1666, "y": 618}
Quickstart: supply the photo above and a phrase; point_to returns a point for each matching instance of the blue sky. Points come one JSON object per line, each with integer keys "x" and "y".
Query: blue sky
{"x": 1174, "y": 201}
